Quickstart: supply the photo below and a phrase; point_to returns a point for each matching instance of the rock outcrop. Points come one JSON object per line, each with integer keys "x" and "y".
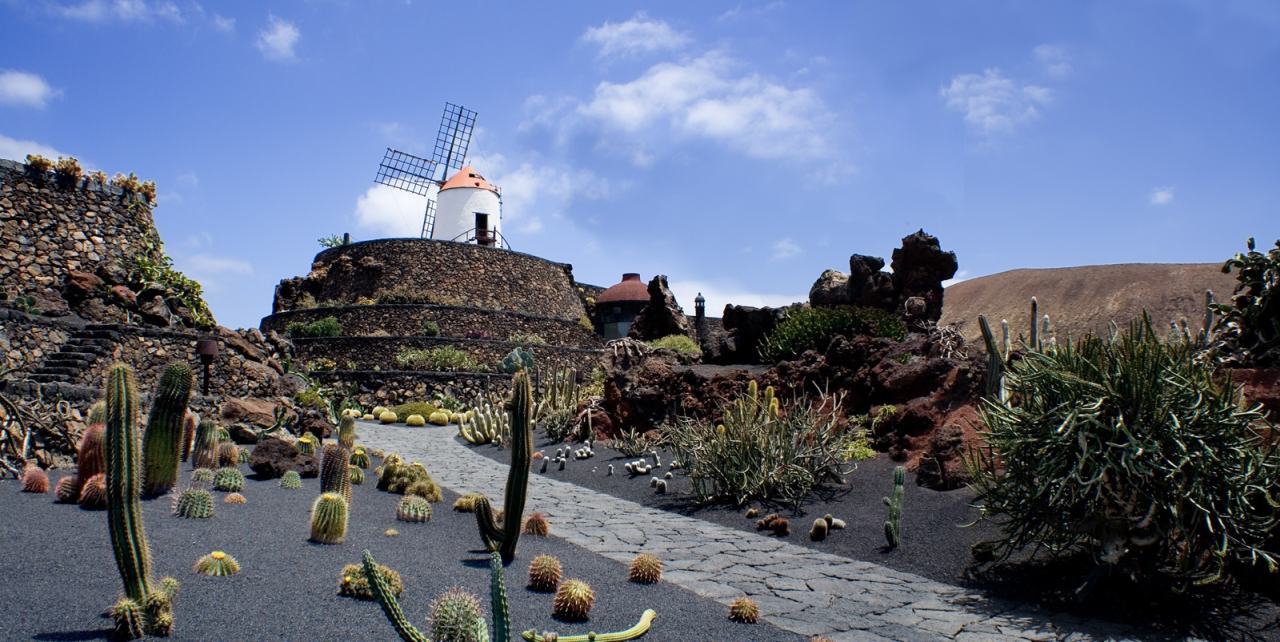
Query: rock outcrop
{"x": 913, "y": 290}
{"x": 662, "y": 316}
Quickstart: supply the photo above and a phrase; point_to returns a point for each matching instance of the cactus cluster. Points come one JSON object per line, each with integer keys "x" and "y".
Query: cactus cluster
{"x": 537, "y": 524}
{"x": 645, "y": 569}
{"x": 744, "y": 609}
{"x": 217, "y": 564}
{"x": 505, "y": 537}
{"x": 329, "y": 519}
{"x": 395, "y": 476}
{"x": 487, "y": 423}
{"x": 291, "y": 480}
{"x": 773, "y": 522}
{"x": 354, "y": 583}
{"x": 162, "y": 441}
{"x": 413, "y": 509}
{"x": 544, "y": 573}
{"x": 893, "y": 525}
{"x": 35, "y": 480}
{"x": 466, "y": 503}
{"x": 359, "y": 457}
{"x": 573, "y": 601}
{"x": 334, "y": 475}
{"x": 195, "y": 503}
{"x": 228, "y": 480}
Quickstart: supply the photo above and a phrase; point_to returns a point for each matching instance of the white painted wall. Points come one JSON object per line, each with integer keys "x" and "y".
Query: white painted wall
{"x": 456, "y": 211}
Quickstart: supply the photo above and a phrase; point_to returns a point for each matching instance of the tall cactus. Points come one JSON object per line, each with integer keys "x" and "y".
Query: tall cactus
{"x": 390, "y": 605}
{"x": 504, "y": 538}
{"x": 893, "y": 526}
{"x": 204, "y": 448}
{"x": 334, "y": 477}
{"x": 190, "y": 420}
{"x": 162, "y": 442}
{"x": 498, "y": 600}
{"x": 124, "y": 511}
{"x": 995, "y": 359}
{"x": 347, "y": 432}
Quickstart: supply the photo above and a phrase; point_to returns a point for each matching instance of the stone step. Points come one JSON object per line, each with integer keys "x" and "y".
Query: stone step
{"x": 58, "y": 370}
{"x": 43, "y": 377}
{"x": 96, "y": 334}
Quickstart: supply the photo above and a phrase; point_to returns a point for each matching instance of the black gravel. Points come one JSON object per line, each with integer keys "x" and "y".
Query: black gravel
{"x": 59, "y": 575}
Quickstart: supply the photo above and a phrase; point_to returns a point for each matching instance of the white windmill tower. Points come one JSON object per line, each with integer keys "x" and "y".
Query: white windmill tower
{"x": 461, "y": 205}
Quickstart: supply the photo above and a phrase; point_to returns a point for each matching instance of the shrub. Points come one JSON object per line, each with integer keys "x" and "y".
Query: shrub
{"x": 758, "y": 452}
{"x": 326, "y": 327}
{"x": 39, "y": 164}
{"x": 333, "y": 240}
{"x": 438, "y": 359}
{"x": 68, "y": 170}
{"x": 1250, "y": 324}
{"x": 145, "y": 269}
{"x": 1126, "y": 449}
{"x": 413, "y": 408}
{"x": 527, "y": 339}
{"x": 431, "y": 329}
{"x": 814, "y": 328}
{"x": 404, "y": 294}
{"x": 679, "y": 343}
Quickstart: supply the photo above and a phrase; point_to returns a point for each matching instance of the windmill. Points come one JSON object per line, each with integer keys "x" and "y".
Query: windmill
{"x": 417, "y": 175}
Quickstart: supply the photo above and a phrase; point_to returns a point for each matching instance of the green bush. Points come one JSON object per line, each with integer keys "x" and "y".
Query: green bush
{"x": 438, "y": 359}
{"x": 326, "y": 327}
{"x": 527, "y": 339}
{"x": 814, "y": 328}
{"x": 413, "y": 408}
{"x": 431, "y": 329}
{"x": 759, "y": 452}
{"x": 144, "y": 271}
{"x": 1250, "y": 325}
{"x": 680, "y": 343}
{"x": 1126, "y": 448}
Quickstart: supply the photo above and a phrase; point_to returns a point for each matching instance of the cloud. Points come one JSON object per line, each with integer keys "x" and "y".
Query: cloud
{"x": 993, "y": 104}
{"x": 391, "y": 212}
{"x": 213, "y": 272}
{"x": 535, "y": 190}
{"x": 962, "y": 275}
{"x": 638, "y": 36}
{"x": 209, "y": 264}
{"x": 750, "y": 12}
{"x": 785, "y": 248}
{"x": 1161, "y": 195}
{"x": 121, "y": 10}
{"x": 278, "y": 40}
{"x": 224, "y": 24}
{"x": 14, "y": 149}
{"x": 720, "y": 294}
{"x": 24, "y": 89}
{"x": 1053, "y": 58}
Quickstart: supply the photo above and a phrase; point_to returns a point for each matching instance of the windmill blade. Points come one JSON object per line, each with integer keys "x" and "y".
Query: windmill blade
{"x": 406, "y": 172}
{"x": 454, "y": 137}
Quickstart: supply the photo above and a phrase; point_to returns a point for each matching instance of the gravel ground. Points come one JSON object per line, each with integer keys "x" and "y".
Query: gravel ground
{"x": 61, "y": 575}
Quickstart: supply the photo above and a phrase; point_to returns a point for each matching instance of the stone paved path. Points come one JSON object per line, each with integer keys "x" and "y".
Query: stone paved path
{"x": 798, "y": 589}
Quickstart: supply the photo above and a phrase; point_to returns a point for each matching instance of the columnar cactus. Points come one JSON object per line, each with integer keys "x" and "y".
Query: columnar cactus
{"x": 204, "y": 449}
{"x": 893, "y": 526}
{"x": 329, "y": 519}
{"x": 498, "y": 599}
{"x": 90, "y": 459}
{"x": 189, "y": 422}
{"x": 334, "y": 477}
{"x": 162, "y": 442}
{"x": 387, "y": 600}
{"x": 347, "y": 432}
{"x": 504, "y": 538}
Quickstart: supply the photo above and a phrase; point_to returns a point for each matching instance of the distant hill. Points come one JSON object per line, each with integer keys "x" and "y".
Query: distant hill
{"x": 1079, "y": 299}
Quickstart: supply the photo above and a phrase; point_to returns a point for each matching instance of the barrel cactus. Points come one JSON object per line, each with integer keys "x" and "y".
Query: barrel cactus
{"x": 537, "y": 524}
{"x": 360, "y": 457}
{"x": 354, "y": 583}
{"x": 306, "y": 444}
{"x": 204, "y": 447}
{"x": 415, "y": 421}
{"x": 291, "y": 480}
{"x": 329, "y": 519}
{"x": 745, "y": 610}
{"x": 35, "y": 480}
{"x": 89, "y": 456}
{"x": 93, "y": 494}
{"x": 162, "y": 441}
{"x": 234, "y": 498}
{"x": 229, "y": 480}
{"x": 388, "y": 417}
{"x": 334, "y": 477}
{"x": 202, "y": 476}
{"x": 456, "y": 616}
{"x": 413, "y": 509}
{"x": 67, "y": 490}
{"x": 347, "y": 430}
{"x": 573, "y": 601}
{"x": 645, "y": 569}
{"x": 217, "y": 564}
{"x": 195, "y": 503}
{"x": 440, "y": 418}
{"x": 356, "y": 474}
{"x": 544, "y": 573}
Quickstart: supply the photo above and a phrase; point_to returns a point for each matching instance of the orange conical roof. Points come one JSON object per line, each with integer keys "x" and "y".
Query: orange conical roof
{"x": 468, "y": 177}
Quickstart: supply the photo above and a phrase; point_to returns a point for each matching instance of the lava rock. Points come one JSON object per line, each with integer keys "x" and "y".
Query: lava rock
{"x": 273, "y": 457}
{"x": 662, "y": 316}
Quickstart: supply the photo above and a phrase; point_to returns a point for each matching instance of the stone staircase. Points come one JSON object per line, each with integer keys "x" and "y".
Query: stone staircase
{"x": 77, "y": 355}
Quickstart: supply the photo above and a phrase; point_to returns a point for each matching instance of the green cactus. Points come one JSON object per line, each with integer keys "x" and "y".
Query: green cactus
{"x": 489, "y": 423}
{"x": 893, "y": 526}
{"x": 517, "y": 360}
{"x": 498, "y": 599}
{"x": 217, "y": 564}
{"x": 640, "y": 628}
{"x": 347, "y": 432}
{"x": 456, "y": 616}
{"x": 307, "y": 444}
{"x": 505, "y": 537}
{"x": 204, "y": 450}
{"x": 356, "y": 474}
{"x": 291, "y": 480}
{"x": 202, "y": 476}
{"x": 228, "y": 480}
{"x": 994, "y": 381}
{"x": 162, "y": 442}
{"x": 194, "y": 503}
{"x": 129, "y": 620}
{"x": 387, "y": 600}
{"x": 334, "y": 477}
{"x": 329, "y": 519}
{"x": 413, "y": 509}
{"x": 360, "y": 457}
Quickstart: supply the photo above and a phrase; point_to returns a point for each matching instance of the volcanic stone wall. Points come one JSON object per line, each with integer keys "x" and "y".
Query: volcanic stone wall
{"x": 27, "y": 339}
{"x": 379, "y": 353}
{"x": 453, "y": 321}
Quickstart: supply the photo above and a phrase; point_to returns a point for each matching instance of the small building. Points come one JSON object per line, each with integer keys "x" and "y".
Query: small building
{"x": 469, "y": 210}
{"x": 618, "y": 305}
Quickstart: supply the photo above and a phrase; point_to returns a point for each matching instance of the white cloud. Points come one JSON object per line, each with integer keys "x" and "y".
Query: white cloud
{"x": 390, "y": 211}
{"x": 535, "y": 190}
{"x": 17, "y": 150}
{"x": 1053, "y": 58}
{"x": 720, "y": 294}
{"x": 278, "y": 40}
{"x": 24, "y": 89}
{"x": 750, "y": 12}
{"x": 638, "y": 36}
{"x": 993, "y": 104}
{"x": 121, "y": 10}
{"x": 224, "y": 24}
{"x": 1162, "y": 195}
{"x": 785, "y": 248}
{"x": 209, "y": 264}
{"x": 962, "y": 275}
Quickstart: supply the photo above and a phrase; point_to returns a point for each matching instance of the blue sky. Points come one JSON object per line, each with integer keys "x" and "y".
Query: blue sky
{"x": 740, "y": 148}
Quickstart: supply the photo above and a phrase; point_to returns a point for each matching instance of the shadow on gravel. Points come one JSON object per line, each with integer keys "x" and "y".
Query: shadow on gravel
{"x": 71, "y": 636}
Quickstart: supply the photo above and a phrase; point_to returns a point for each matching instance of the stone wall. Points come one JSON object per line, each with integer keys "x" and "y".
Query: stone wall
{"x": 388, "y": 388}
{"x": 408, "y": 320}
{"x": 370, "y": 353}
{"x": 47, "y": 230}
{"x": 27, "y": 339}
{"x": 444, "y": 273}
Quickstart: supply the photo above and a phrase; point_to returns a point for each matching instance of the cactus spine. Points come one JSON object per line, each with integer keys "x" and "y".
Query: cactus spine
{"x": 334, "y": 477}
{"x": 504, "y": 538}
{"x": 893, "y": 526}
{"x": 387, "y": 600}
{"x": 162, "y": 442}
{"x": 329, "y": 519}
{"x": 204, "y": 449}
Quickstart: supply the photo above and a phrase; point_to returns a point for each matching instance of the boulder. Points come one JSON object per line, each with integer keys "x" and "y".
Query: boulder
{"x": 243, "y": 434}
{"x": 250, "y": 410}
{"x": 868, "y": 285}
{"x": 81, "y": 286}
{"x": 831, "y": 288}
{"x": 662, "y": 316}
{"x": 745, "y": 328}
{"x": 123, "y": 295}
{"x": 156, "y": 312}
{"x": 919, "y": 268}
{"x": 113, "y": 273}
{"x": 274, "y": 456}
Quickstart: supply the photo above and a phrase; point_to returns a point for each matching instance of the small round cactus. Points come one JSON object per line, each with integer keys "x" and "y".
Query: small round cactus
{"x": 781, "y": 527}
{"x": 228, "y": 454}
{"x": 356, "y": 474}
{"x": 573, "y": 601}
{"x": 416, "y": 421}
{"x": 744, "y": 609}
{"x": 354, "y": 583}
{"x": 645, "y": 569}
{"x": 291, "y": 480}
{"x": 378, "y": 410}
{"x": 229, "y": 480}
{"x": 360, "y": 457}
{"x": 544, "y": 573}
{"x": 244, "y": 456}
{"x": 391, "y": 532}
{"x": 388, "y": 417}
{"x": 67, "y": 489}
{"x": 456, "y": 615}
{"x": 440, "y": 418}
{"x": 35, "y": 480}
{"x": 537, "y": 524}
{"x": 466, "y": 503}
{"x": 234, "y": 498}
{"x": 368, "y": 416}
{"x": 818, "y": 531}
{"x": 329, "y": 519}
{"x": 425, "y": 489}
{"x": 307, "y": 444}
{"x": 202, "y": 475}
{"x": 193, "y": 503}
{"x": 217, "y": 564}
{"x": 93, "y": 495}
{"x": 834, "y": 523}
{"x": 413, "y": 509}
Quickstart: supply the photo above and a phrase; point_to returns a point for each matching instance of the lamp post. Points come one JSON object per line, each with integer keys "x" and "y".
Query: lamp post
{"x": 208, "y": 351}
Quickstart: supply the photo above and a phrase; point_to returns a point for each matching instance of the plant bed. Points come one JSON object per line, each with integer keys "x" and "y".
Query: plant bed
{"x": 63, "y": 576}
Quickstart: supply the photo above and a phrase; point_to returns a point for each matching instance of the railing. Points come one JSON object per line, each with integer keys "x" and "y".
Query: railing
{"x": 481, "y": 236}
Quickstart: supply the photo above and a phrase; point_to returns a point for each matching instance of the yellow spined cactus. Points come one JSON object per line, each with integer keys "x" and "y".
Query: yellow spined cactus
{"x": 417, "y": 421}
{"x": 440, "y": 418}
{"x": 387, "y": 417}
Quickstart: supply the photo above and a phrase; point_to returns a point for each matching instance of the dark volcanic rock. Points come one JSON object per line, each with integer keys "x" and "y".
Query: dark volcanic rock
{"x": 919, "y": 268}
{"x": 868, "y": 285}
{"x": 662, "y": 316}
{"x": 745, "y": 328}
{"x": 831, "y": 288}
{"x": 273, "y": 456}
